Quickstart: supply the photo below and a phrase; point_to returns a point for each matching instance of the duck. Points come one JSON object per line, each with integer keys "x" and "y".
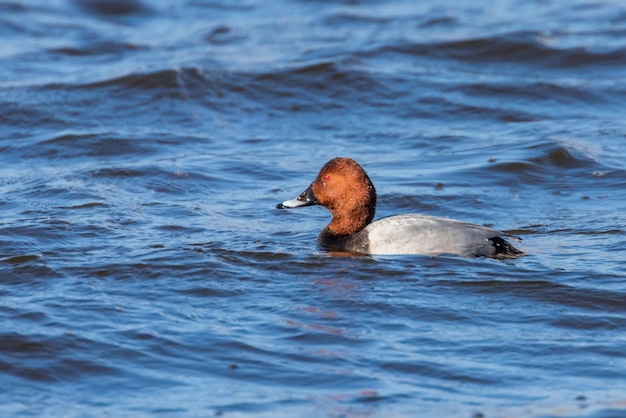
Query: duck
{"x": 343, "y": 187}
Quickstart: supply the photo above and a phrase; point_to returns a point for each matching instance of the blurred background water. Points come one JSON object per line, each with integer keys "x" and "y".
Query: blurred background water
{"x": 144, "y": 269}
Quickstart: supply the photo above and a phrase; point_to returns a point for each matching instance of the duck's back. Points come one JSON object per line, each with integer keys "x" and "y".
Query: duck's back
{"x": 430, "y": 235}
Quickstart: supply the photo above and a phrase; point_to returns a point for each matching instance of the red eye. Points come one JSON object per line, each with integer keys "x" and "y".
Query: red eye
{"x": 326, "y": 177}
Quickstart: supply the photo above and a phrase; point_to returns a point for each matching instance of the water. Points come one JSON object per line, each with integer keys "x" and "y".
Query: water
{"x": 144, "y": 269}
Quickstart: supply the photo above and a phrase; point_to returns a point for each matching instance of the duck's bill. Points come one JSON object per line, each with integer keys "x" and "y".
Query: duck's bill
{"x": 306, "y": 198}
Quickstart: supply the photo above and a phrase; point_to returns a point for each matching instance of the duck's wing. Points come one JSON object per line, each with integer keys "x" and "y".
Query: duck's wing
{"x": 432, "y": 235}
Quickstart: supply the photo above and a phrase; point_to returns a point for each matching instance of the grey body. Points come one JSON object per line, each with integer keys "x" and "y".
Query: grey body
{"x": 418, "y": 234}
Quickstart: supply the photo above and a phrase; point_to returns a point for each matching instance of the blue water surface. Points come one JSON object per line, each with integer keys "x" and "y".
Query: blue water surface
{"x": 144, "y": 269}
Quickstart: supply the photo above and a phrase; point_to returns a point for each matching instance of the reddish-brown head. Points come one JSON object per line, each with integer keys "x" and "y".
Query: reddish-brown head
{"x": 344, "y": 188}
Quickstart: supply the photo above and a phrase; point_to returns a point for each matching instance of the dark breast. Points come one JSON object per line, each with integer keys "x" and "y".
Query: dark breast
{"x": 357, "y": 243}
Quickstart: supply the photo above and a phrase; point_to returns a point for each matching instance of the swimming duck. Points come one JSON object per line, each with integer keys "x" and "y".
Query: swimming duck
{"x": 343, "y": 187}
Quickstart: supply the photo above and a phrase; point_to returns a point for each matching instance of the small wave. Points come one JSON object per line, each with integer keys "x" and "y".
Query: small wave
{"x": 22, "y": 259}
{"x": 88, "y": 205}
{"x": 443, "y": 108}
{"x": 540, "y": 162}
{"x": 536, "y": 92}
{"x": 223, "y": 34}
{"x": 22, "y": 115}
{"x": 354, "y": 18}
{"x": 599, "y": 300}
{"x": 525, "y": 48}
{"x": 67, "y": 146}
{"x": 316, "y": 85}
{"x": 147, "y": 87}
{"x": 117, "y": 173}
{"x": 113, "y": 8}
{"x": 158, "y": 80}
{"x": 10, "y": 6}
{"x": 95, "y": 49}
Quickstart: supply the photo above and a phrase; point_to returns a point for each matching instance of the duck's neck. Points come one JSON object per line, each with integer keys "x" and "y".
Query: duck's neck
{"x": 353, "y": 215}
{"x": 348, "y": 224}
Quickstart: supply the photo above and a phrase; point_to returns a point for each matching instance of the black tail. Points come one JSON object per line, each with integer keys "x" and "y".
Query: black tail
{"x": 504, "y": 249}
